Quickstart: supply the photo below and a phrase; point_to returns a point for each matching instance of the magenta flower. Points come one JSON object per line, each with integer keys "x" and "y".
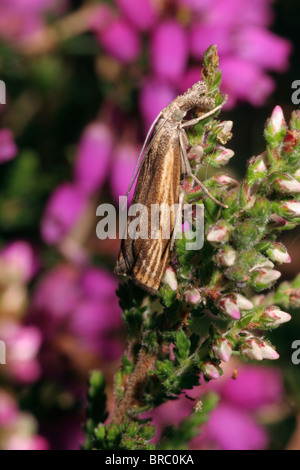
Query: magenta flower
{"x": 252, "y": 42}
{"x": 266, "y": 388}
{"x": 19, "y": 442}
{"x": 8, "y": 409}
{"x": 93, "y": 157}
{"x": 154, "y": 96}
{"x": 142, "y": 13}
{"x": 116, "y": 35}
{"x": 82, "y": 305}
{"x": 21, "y": 256}
{"x": 125, "y": 158}
{"x": 63, "y": 210}
{"x": 240, "y": 401}
{"x": 23, "y": 344}
{"x": 243, "y": 433}
{"x": 168, "y": 37}
{"x": 8, "y": 148}
{"x": 245, "y": 81}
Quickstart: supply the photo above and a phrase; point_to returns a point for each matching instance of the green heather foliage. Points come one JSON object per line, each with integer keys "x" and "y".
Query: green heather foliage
{"x": 207, "y": 307}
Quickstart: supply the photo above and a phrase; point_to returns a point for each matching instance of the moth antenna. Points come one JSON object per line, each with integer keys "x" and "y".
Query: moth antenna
{"x": 135, "y": 171}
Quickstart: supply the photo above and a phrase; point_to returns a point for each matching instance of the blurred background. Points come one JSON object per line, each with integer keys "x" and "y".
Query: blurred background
{"x": 84, "y": 80}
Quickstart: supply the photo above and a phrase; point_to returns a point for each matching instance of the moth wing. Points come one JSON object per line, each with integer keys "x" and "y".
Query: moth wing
{"x": 158, "y": 184}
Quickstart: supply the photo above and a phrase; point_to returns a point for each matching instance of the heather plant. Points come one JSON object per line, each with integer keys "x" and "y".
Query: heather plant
{"x": 206, "y": 309}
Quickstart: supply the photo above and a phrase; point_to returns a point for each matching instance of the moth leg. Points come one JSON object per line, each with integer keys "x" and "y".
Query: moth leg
{"x": 192, "y": 122}
{"x": 187, "y": 168}
{"x": 178, "y": 217}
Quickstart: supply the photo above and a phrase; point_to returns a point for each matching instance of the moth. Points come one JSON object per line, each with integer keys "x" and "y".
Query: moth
{"x": 165, "y": 160}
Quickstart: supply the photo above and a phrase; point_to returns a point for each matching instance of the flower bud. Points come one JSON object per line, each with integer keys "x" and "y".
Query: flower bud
{"x": 263, "y": 278}
{"x": 276, "y": 316}
{"x": 193, "y": 296}
{"x": 276, "y": 122}
{"x": 278, "y": 253}
{"x": 222, "y": 349}
{"x": 170, "y": 279}
{"x": 285, "y": 183}
{"x": 218, "y": 233}
{"x": 251, "y": 349}
{"x": 243, "y": 303}
{"x": 225, "y": 180}
{"x": 229, "y": 306}
{"x": 196, "y": 153}
{"x": 257, "y": 169}
{"x": 268, "y": 352}
{"x": 227, "y": 256}
{"x": 210, "y": 371}
{"x": 224, "y": 131}
{"x": 291, "y": 208}
{"x": 221, "y": 156}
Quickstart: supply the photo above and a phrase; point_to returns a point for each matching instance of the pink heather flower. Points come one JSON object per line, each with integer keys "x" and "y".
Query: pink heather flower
{"x": 54, "y": 299}
{"x": 277, "y": 121}
{"x": 168, "y": 37}
{"x": 8, "y": 148}
{"x": 32, "y": 6}
{"x": 218, "y": 233}
{"x": 244, "y": 81}
{"x": 264, "y": 277}
{"x": 225, "y": 180}
{"x": 279, "y": 254}
{"x": 240, "y": 399}
{"x": 116, "y": 35}
{"x": 227, "y": 257}
{"x": 268, "y": 352}
{"x": 210, "y": 371}
{"x": 93, "y": 157}
{"x": 8, "y": 409}
{"x": 142, "y": 13}
{"x": 196, "y": 153}
{"x": 276, "y": 316}
{"x": 255, "y": 387}
{"x": 252, "y": 42}
{"x": 17, "y": 25}
{"x": 286, "y": 184}
{"x": 193, "y": 296}
{"x": 229, "y": 306}
{"x": 22, "y": 257}
{"x": 292, "y": 207}
{"x": 82, "y": 305}
{"x": 252, "y": 350}
{"x": 23, "y": 344}
{"x": 243, "y": 303}
{"x": 154, "y": 96}
{"x": 223, "y": 155}
{"x": 170, "y": 278}
{"x": 243, "y": 433}
{"x": 222, "y": 349}
{"x": 125, "y": 158}
{"x": 24, "y": 442}
{"x": 63, "y": 210}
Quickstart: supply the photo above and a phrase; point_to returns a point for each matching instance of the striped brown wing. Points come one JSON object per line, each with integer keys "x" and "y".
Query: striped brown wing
{"x": 146, "y": 260}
